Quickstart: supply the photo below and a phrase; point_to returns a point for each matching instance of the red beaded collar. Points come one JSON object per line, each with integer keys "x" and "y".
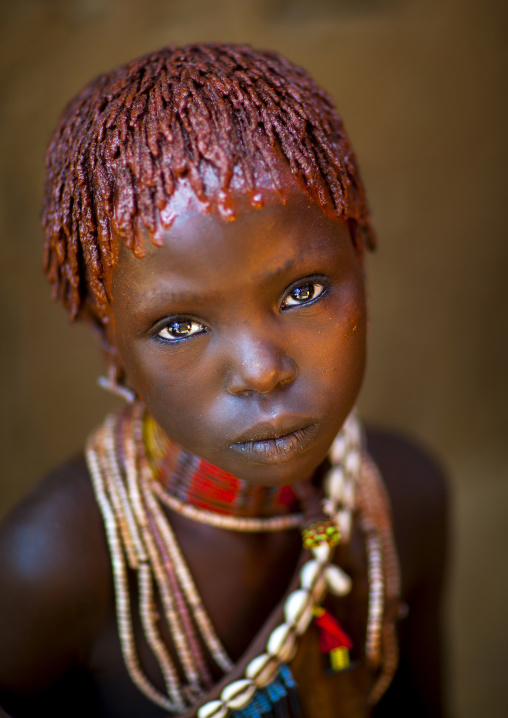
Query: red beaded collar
{"x": 194, "y": 481}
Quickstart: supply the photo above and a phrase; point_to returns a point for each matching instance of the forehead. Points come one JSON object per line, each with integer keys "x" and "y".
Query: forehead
{"x": 266, "y": 183}
{"x": 203, "y": 247}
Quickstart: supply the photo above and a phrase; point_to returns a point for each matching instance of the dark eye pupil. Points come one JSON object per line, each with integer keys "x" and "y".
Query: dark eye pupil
{"x": 180, "y": 329}
{"x": 304, "y": 293}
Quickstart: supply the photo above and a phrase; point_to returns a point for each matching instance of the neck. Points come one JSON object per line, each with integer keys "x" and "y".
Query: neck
{"x": 195, "y": 481}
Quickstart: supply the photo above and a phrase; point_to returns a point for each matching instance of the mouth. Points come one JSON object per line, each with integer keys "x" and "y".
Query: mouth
{"x": 265, "y": 444}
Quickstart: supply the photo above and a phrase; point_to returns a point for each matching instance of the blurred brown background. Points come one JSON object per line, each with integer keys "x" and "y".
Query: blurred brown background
{"x": 422, "y": 87}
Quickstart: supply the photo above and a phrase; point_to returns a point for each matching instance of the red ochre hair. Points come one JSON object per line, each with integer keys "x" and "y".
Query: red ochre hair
{"x": 125, "y": 141}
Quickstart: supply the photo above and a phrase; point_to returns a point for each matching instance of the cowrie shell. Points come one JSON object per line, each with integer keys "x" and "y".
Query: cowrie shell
{"x": 237, "y": 694}
{"x": 321, "y": 553}
{"x": 213, "y": 709}
{"x": 312, "y": 578}
{"x": 343, "y": 520}
{"x": 319, "y": 589}
{"x": 262, "y": 669}
{"x": 353, "y": 430}
{"x": 337, "y": 580}
{"x": 334, "y": 483}
{"x": 353, "y": 462}
{"x": 295, "y": 604}
{"x": 309, "y": 573}
{"x": 298, "y": 609}
{"x": 338, "y": 449}
{"x": 282, "y": 642}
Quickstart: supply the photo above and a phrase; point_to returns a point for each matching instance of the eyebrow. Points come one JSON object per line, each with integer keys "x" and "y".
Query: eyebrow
{"x": 275, "y": 273}
{"x": 152, "y": 296}
{"x": 148, "y": 299}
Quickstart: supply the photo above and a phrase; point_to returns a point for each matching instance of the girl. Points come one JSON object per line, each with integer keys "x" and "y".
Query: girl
{"x": 205, "y": 216}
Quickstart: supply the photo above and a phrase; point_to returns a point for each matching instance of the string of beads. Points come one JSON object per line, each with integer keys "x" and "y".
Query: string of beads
{"x": 140, "y": 538}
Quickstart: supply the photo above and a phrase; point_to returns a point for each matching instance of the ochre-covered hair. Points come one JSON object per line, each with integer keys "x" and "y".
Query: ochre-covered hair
{"x": 124, "y": 143}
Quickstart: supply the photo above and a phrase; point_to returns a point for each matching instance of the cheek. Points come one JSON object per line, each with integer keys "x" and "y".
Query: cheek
{"x": 170, "y": 386}
{"x": 156, "y": 379}
{"x": 354, "y": 334}
{"x": 347, "y": 319}
{"x": 354, "y": 311}
{"x": 340, "y": 355}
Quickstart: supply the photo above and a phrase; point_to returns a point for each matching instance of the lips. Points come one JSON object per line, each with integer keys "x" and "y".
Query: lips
{"x": 272, "y": 444}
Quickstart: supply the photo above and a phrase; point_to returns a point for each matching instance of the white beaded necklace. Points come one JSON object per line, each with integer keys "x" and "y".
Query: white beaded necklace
{"x": 140, "y": 537}
{"x": 245, "y": 524}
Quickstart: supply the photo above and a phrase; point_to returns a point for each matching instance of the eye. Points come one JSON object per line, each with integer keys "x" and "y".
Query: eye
{"x": 180, "y": 329}
{"x": 303, "y": 294}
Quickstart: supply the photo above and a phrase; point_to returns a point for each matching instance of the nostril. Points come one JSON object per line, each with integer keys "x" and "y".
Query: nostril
{"x": 286, "y": 381}
{"x": 258, "y": 377}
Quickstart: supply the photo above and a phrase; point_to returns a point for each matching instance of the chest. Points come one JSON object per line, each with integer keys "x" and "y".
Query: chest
{"x": 240, "y": 579}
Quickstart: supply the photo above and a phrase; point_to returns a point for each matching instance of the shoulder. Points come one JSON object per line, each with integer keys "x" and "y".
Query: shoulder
{"x": 53, "y": 568}
{"x": 418, "y": 491}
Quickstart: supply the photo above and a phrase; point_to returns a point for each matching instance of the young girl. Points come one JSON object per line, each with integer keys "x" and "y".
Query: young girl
{"x": 205, "y": 216}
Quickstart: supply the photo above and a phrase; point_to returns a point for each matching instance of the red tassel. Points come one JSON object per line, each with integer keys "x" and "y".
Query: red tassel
{"x": 332, "y": 639}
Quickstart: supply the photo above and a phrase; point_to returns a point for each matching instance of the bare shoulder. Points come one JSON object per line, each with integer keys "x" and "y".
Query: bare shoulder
{"x": 53, "y": 569}
{"x": 418, "y": 491}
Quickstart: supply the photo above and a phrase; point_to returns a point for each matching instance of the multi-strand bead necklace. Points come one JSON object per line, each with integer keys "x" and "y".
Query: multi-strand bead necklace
{"x": 131, "y": 498}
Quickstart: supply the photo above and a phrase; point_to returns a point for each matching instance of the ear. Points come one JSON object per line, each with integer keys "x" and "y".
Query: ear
{"x": 102, "y": 328}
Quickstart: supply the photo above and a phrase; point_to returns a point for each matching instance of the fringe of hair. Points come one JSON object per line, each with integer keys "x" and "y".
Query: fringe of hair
{"x": 124, "y": 143}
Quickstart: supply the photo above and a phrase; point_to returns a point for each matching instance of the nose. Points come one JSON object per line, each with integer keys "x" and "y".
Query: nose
{"x": 259, "y": 365}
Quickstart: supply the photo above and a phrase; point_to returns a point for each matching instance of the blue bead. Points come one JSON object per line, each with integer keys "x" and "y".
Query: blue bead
{"x": 292, "y": 690}
{"x": 265, "y": 704}
{"x": 287, "y": 676}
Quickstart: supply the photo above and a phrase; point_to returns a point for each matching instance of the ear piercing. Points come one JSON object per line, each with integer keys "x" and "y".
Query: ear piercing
{"x": 113, "y": 384}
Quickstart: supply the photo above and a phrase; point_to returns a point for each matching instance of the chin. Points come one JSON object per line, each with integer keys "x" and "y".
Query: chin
{"x": 282, "y": 472}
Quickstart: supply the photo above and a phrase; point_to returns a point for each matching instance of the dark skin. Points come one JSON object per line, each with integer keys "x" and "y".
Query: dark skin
{"x": 275, "y": 339}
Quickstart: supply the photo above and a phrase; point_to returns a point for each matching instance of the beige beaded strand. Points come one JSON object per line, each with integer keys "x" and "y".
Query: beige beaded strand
{"x": 130, "y": 534}
{"x": 225, "y": 521}
{"x": 123, "y": 611}
{"x": 374, "y": 503}
{"x": 131, "y": 509}
{"x": 179, "y": 637}
{"x": 202, "y": 619}
{"x": 147, "y": 562}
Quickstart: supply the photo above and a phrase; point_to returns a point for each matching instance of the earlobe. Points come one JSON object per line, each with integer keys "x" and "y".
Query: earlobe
{"x": 113, "y": 383}
{"x": 115, "y": 379}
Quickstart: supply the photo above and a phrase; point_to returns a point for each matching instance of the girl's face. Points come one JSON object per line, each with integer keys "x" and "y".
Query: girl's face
{"x": 246, "y": 339}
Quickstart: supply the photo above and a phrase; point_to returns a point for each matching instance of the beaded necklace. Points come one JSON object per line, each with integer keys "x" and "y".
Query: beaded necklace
{"x": 188, "y": 482}
{"x": 140, "y": 538}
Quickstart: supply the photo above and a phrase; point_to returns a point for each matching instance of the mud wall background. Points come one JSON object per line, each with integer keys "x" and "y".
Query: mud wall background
{"x": 422, "y": 87}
